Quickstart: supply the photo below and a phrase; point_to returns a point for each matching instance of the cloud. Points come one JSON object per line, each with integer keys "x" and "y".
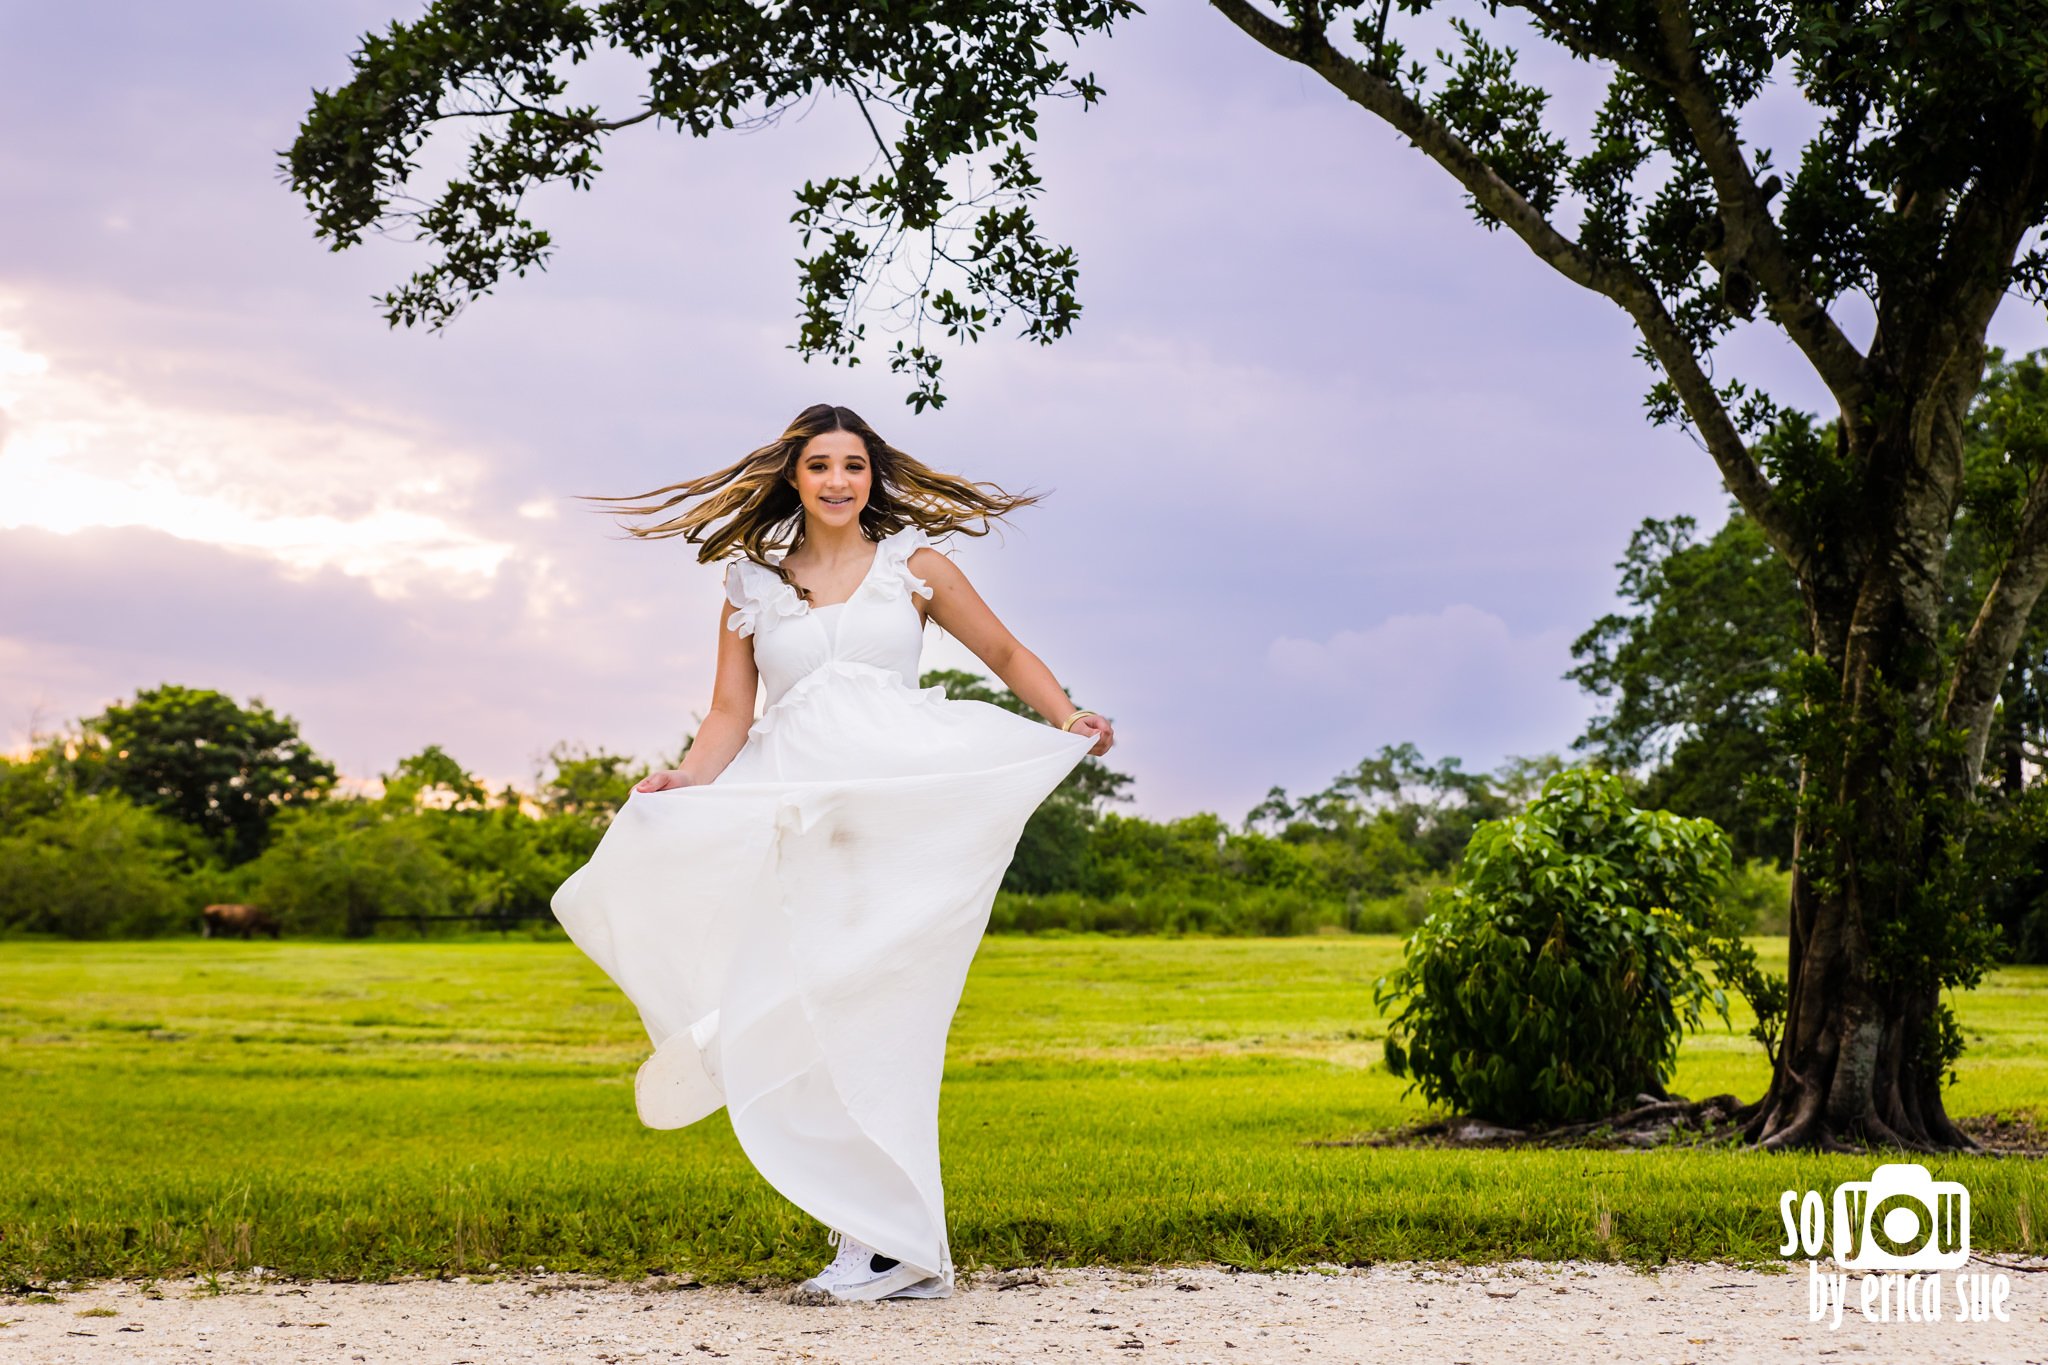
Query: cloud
{"x": 364, "y": 496}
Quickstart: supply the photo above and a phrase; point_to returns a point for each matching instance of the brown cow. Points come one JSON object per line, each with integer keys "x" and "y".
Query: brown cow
{"x": 246, "y": 921}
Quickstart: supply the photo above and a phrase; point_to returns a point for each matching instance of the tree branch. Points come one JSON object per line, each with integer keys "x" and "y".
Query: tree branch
{"x": 1581, "y": 37}
{"x": 1615, "y": 279}
{"x": 587, "y": 125}
{"x": 581, "y": 124}
{"x": 1752, "y": 239}
{"x": 1995, "y": 635}
{"x": 873, "y": 131}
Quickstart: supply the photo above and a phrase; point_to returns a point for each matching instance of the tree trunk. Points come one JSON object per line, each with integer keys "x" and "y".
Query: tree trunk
{"x": 1852, "y": 1069}
{"x": 1860, "y": 1061}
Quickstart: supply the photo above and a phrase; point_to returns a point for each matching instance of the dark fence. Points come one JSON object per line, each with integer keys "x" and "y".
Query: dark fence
{"x": 504, "y": 921}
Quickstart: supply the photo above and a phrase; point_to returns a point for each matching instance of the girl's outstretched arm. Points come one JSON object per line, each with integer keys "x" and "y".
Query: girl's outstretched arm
{"x": 957, "y": 607}
{"x": 724, "y": 731}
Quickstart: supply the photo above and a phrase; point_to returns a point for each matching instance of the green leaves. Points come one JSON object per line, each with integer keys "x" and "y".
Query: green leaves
{"x": 1501, "y": 119}
{"x": 101, "y": 867}
{"x": 198, "y": 757}
{"x": 949, "y": 91}
{"x": 1554, "y": 981}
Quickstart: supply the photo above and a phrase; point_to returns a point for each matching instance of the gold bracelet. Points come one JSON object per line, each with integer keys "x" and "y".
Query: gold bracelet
{"x": 1069, "y": 726}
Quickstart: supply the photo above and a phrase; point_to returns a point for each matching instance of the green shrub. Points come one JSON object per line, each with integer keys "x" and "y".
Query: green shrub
{"x": 100, "y": 867}
{"x": 1553, "y": 981}
{"x": 341, "y": 867}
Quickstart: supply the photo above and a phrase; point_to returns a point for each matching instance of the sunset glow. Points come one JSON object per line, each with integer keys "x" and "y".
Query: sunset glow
{"x": 79, "y": 450}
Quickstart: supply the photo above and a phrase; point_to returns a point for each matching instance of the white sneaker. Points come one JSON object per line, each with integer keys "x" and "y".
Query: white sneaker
{"x": 851, "y": 1253}
{"x": 853, "y": 1274}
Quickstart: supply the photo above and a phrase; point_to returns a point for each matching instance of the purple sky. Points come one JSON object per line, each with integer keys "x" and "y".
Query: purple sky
{"x": 1330, "y": 466}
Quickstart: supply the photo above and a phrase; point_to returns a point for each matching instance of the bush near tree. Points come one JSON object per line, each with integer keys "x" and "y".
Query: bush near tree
{"x": 1555, "y": 980}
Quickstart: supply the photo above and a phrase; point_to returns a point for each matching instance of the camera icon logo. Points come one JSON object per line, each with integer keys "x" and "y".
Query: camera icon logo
{"x": 1902, "y": 1218}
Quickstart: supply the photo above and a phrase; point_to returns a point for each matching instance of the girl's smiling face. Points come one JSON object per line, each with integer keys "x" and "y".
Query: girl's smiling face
{"x": 833, "y": 477}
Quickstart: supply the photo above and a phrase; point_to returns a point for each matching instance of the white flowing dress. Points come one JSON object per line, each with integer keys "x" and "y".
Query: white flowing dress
{"x": 795, "y": 933}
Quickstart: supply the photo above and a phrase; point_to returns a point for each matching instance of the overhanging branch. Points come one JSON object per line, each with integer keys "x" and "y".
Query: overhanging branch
{"x": 1615, "y": 279}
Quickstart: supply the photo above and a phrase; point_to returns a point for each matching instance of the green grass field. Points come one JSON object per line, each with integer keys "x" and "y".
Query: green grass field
{"x": 363, "y": 1110}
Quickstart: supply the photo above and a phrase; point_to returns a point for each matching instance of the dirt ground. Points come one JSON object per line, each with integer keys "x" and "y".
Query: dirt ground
{"x": 1496, "y": 1315}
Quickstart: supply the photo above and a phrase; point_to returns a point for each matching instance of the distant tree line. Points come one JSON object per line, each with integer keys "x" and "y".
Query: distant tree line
{"x": 127, "y": 823}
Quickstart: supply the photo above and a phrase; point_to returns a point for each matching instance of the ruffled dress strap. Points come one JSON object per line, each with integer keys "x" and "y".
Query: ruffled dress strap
{"x": 891, "y": 573}
{"x": 758, "y": 595}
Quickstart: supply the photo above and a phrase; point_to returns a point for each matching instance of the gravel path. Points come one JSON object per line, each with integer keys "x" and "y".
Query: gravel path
{"x": 1495, "y": 1315}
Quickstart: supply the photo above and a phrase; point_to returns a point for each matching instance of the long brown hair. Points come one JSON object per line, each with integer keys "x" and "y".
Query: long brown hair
{"x": 752, "y": 504}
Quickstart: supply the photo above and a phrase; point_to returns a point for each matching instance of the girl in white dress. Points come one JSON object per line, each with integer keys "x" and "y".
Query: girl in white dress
{"x": 793, "y": 910}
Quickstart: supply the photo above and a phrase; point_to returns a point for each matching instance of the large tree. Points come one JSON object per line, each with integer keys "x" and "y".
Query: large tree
{"x": 1921, "y": 190}
{"x": 199, "y": 757}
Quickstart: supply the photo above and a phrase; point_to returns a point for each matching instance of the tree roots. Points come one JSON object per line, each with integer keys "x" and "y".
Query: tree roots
{"x": 1718, "y": 1121}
